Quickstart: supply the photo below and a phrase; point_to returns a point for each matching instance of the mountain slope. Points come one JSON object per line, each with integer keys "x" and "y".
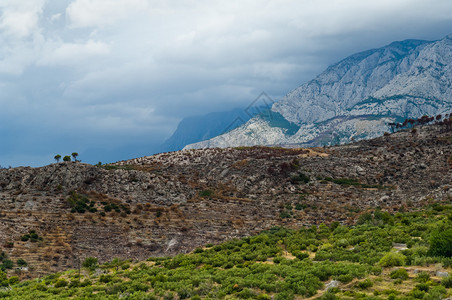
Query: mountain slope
{"x": 357, "y": 97}
{"x": 174, "y": 202}
{"x": 201, "y": 128}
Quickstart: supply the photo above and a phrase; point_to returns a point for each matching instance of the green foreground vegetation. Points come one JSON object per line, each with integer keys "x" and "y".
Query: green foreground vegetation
{"x": 401, "y": 256}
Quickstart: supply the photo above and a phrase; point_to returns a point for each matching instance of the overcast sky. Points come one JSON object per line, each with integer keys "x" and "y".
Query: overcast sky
{"x": 111, "y": 79}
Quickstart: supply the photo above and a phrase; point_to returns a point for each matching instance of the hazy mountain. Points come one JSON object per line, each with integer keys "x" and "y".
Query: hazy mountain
{"x": 201, "y": 128}
{"x": 355, "y": 98}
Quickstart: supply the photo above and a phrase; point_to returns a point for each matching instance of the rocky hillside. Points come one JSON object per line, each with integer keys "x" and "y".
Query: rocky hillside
{"x": 55, "y": 216}
{"x": 355, "y": 98}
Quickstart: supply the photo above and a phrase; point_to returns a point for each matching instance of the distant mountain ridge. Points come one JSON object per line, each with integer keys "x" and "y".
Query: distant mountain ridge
{"x": 356, "y": 98}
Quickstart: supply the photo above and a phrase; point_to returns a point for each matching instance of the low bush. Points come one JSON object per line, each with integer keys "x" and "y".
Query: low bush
{"x": 447, "y": 282}
{"x": 61, "y": 283}
{"x": 441, "y": 243}
{"x": 367, "y": 283}
{"x": 392, "y": 259}
{"x": 399, "y": 274}
{"x": 90, "y": 263}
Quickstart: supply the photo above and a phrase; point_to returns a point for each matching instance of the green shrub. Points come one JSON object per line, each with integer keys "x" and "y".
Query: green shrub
{"x": 246, "y": 294}
{"x": 422, "y": 287}
{"x": 300, "y": 206}
{"x": 277, "y": 259}
{"x": 7, "y": 264}
{"x": 399, "y": 274}
{"x": 364, "y": 284}
{"x": 345, "y": 278}
{"x": 79, "y": 203}
{"x": 417, "y": 294}
{"x": 423, "y": 277}
{"x": 447, "y": 282}
{"x": 328, "y": 296}
{"x": 436, "y": 292}
{"x": 168, "y": 296}
{"x": 285, "y": 215}
{"x": 105, "y": 278}
{"x": 41, "y": 287}
{"x": 86, "y": 283}
{"x": 300, "y": 178}
{"x": 21, "y": 262}
{"x": 2, "y": 275}
{"x": 61, "y": 283}
{"x": 342, "y": 243}
{"x": 113, "y": 289}
{"x": 206, "y": 193}
{"x": 90, "y": 263}
{"x": 32, "y": 236}
{"x": 285, "y": 296}
{"x": 441, "y": 243}
{"x": 74, "y": 283}
{"x": 13, "y": 280}
{"x": 300, "y": 255}
{"x": 392, "y": 259}
{"x": 364, "y": 218}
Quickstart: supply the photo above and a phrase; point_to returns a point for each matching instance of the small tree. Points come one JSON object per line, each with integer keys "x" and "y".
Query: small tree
{"x": 74, "y": 155}
{"x": 67, "y": 158}
{"x": 57, "y": 158}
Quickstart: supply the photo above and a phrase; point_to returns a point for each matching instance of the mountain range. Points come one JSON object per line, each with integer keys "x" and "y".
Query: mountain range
{"x": 355, "y": 98}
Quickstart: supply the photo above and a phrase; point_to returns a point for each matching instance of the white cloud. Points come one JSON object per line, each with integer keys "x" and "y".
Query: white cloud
{"x": 55, "y": 17}
{"x": 20, "y": 18}
{"x": 94, "y": 13}
{"x": 20, "y": 35}
{"x": 74, "y": 54}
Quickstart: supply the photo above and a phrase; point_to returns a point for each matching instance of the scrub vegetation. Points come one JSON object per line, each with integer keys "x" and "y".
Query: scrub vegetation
{"x": 383, "y": 256}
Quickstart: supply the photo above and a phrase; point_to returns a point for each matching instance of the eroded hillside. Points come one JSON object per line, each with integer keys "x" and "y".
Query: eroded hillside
{"x": 173, "y": 202}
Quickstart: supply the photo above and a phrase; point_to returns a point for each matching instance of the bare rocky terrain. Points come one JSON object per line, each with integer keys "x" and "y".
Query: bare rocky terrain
{"x": 174, "y": 202}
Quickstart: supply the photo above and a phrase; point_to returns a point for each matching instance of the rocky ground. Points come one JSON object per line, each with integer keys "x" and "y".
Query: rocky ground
{"x": 173, "y": 202}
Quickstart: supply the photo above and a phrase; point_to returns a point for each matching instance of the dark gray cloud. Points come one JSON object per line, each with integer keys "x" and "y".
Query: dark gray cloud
{"x": 112, "y": 78}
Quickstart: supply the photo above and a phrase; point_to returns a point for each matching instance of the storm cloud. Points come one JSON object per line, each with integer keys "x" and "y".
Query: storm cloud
{"x": 111, "y": 79}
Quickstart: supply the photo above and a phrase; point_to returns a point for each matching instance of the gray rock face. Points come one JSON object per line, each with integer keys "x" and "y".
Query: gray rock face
{"x": 357, "y": 97}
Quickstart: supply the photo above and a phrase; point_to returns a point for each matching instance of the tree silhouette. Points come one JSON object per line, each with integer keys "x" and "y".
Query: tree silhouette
{"x": 392, "y": 125}
{"x": 57, "y": 158}
{"x": 74, "y": 155}
{"x": 67, "y": 158}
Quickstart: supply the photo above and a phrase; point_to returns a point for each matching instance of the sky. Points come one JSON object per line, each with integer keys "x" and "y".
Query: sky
{"x": 111, "y": 79}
